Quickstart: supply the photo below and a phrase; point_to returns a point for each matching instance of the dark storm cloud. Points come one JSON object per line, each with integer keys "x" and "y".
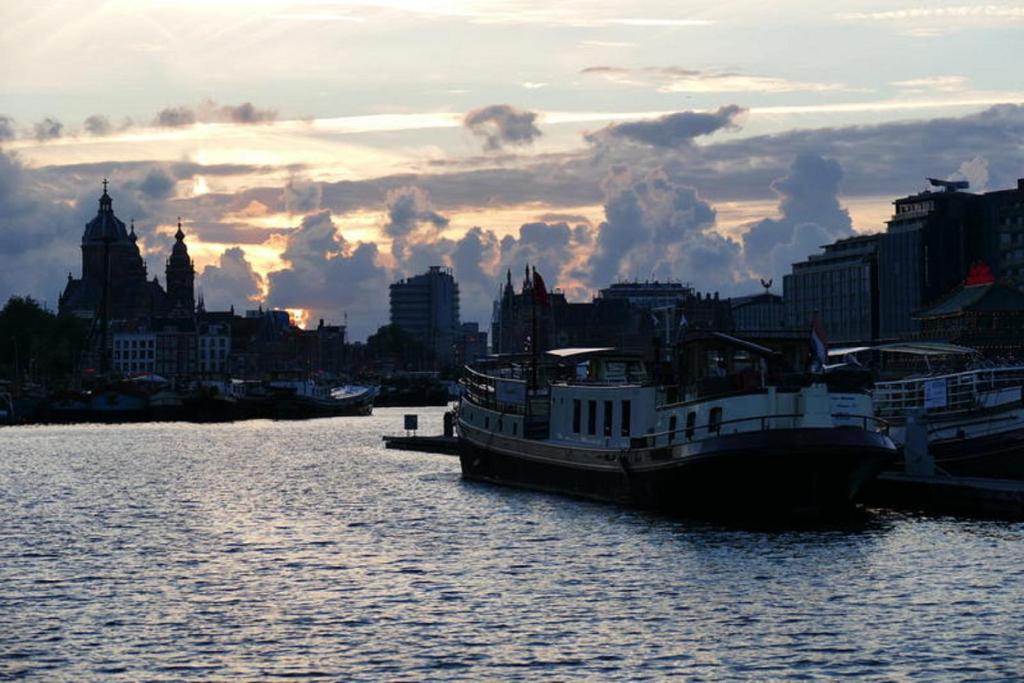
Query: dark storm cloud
{"x": 232, "y": 282}
{"x": 47, "y": 129}
{"x": 97, "y": 124}
{"x": 672, "y": 130}
{"x": 501, "y": 124}
{"x": 6, "y": 128}
{"x": 174, "y": 117}
{"x": 247, "y": 113}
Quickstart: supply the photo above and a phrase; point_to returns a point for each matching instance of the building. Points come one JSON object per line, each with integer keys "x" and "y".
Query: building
{"x": 927, "y": 248}
{"x": 1004, "y": 212}
{"x": 427, "y": 308}
{"x": 112, "y": 263}
{"x": 470, "y": 344}
{"x": 981, "y": 313}
{"x": 630, "y": 315}
{"x": 214, "y": 350}
{"x": 840, "y": 286}
{"x": 134, "y": 352}
{"x": 177, "y": 353}
{"x": 762, "y": 312}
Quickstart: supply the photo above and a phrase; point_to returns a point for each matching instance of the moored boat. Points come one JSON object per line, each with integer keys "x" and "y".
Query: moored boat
{"x": 732, "y": 435}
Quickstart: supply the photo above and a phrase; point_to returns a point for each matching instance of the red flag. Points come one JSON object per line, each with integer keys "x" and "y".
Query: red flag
{"x": 540, "y": 292}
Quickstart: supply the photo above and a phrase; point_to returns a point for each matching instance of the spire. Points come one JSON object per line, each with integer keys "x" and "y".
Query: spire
{"x": 180, "y": 235}
{"x": 106, "y": 203}
{"x": 131, "y": 234}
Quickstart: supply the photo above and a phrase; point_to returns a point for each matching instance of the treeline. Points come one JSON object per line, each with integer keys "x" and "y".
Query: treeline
{"x": 38, "y": 346}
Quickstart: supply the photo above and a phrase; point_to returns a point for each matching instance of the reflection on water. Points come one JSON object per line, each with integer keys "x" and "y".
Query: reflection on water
{"x": 264, "y": 549}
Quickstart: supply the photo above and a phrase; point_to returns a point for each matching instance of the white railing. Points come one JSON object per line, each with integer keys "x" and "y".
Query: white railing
{"x": 963, "y": 391}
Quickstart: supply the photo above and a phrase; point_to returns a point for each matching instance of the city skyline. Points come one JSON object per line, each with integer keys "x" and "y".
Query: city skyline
{"x": 658, "y": 142}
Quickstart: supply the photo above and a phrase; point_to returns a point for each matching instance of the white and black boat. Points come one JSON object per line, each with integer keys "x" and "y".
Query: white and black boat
{"x": 729, "y": 434}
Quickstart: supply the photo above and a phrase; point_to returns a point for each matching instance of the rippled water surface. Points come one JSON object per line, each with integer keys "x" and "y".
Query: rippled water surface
{"x": 261, "y": 549}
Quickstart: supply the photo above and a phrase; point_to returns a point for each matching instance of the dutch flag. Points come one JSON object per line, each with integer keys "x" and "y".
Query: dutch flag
{"x": 819, "y": 344}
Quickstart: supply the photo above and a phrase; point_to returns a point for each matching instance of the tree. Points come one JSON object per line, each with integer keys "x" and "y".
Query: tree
{"x": 36, "y": 344}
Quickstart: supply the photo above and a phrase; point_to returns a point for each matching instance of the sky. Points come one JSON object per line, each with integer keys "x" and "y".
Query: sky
{"x": 318, "y": 151}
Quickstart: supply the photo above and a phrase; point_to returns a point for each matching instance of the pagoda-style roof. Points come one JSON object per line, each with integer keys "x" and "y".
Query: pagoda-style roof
{"x": 981, "y": 298}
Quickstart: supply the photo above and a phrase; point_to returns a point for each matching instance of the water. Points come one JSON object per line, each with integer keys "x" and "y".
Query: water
{"x": 262, "y": 549}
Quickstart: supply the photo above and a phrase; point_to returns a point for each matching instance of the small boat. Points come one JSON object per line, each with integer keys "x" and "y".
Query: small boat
{"x": 727, "y": 433}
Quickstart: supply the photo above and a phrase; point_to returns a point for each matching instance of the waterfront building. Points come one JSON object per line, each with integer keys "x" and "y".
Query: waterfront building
{"x": 426, "y": 306}
{"x": 134, "y": 352}
{"x": 1005, "y": 215}
{"x": 470, "y": 344}
{"x": 841, "y": 286}
{"x": 214, "y": 347}
{"x": 176, "y": 354}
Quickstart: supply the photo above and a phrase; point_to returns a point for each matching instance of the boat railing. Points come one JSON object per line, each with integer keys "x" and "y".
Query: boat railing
{"x": 505, "y": 395}
{"x": 961, "y": 392}
{"x": 759, "y": 423}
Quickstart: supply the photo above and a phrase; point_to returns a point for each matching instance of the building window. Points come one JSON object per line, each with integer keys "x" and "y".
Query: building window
{"x": 576, "y": 409}
{"x": 627, "y": 418}
{"x": 592, "y": 418}
{"x": 608, "y": 418}
{"x": 691, "y": 422}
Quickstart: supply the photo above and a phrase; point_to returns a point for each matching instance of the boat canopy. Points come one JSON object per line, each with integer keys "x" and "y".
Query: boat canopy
{"x": 744, "y": 344}
{"x": 912, "y": 348}
{"x": 574, "y": 352}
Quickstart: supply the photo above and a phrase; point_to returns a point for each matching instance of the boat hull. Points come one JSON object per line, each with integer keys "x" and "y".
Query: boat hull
{"x": 778, "y": 473}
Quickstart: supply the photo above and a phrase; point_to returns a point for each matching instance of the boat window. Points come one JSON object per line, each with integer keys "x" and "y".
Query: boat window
{"x": 627, "y": 417}
{"x": 608, "y": 418}
{"x": 672, "y": 422}
{"x": 487, "y": 421}
{"x": 515, "y": 429}
{"x": 715, "y": 420}
{"x": 576, "y": 416}
{"x": 501, "y": 425}
{"x": 691, "y": 421}
{"x": 592, "y": 417}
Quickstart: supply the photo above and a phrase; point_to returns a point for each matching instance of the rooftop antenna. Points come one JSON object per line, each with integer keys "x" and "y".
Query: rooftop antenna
{"x": 767, "y": 284}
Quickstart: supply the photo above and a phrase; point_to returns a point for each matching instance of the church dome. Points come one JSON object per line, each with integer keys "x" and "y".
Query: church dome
{"x": 105, "y": 226}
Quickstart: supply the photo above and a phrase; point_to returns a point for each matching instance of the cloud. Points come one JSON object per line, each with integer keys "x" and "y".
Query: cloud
{"x": 157, "y": 184}
{"x": 47, "y": 129}
{"x": 330, "y": 277}
{"x": 501, "y": 124}
{"x": 39, "y": 235}
{"x": 247, "y": 113}
{"x": 6, "y": 128}
{"x": 232, "y": 282}
{"x": 407, "y": 209}
{"x": 300, "y": 196}
{"x": 97, "y": 124}
{"x": 669, "y": 79}
{"x": 932, "y": 83}
{"x": 974, "y": 172}
{"x": 174, "y": 117}
{"x": 810, "y": 217}
{"x": 672, "y": 130}
{"x": 655, "y": 227}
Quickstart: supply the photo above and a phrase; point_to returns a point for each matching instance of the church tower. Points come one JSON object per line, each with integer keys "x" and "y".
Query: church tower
{"x": 181, "y": 275}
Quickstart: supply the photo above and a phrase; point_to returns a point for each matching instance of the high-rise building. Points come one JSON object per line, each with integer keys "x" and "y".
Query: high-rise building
{"x": 427, "y": 308}
{"x": 840, "y": 286}
{"x": 927, "y": 248}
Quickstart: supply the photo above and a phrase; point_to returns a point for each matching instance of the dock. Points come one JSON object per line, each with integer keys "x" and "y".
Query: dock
{"x": 447, "y": 445}
{"x": 971, "y": 496}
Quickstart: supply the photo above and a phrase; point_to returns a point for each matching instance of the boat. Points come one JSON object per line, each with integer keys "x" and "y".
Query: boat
{"x": 301, "y": 399}
{"x": 728, "y": 432}
{"x": 973, "y": 408}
